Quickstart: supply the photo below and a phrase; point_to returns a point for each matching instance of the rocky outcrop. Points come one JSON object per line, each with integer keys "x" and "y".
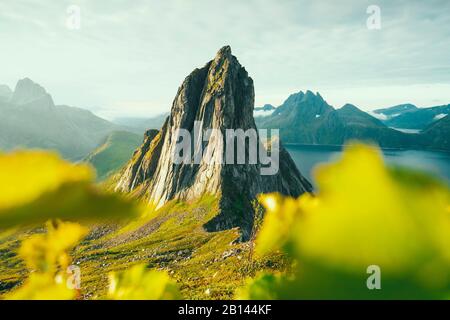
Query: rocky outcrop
{"x": 143, "y": 164}
{"x": 221, "y": 96}
{"x": 27, "y": 91}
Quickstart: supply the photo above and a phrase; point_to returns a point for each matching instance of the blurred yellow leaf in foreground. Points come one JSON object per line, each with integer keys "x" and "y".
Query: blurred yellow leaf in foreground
{"x": 363, "y": 215}
{"x": 42, "y": 287}
{"x": 47, "y": 252}
{"x": 26, "y": 175}
{"x": 47, "y": 257}
{"x": 36, "y": 186}
{"x": 137, "y": 283}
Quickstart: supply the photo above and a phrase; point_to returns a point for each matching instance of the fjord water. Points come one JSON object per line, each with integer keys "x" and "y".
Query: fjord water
{"x": 306, "y": 157}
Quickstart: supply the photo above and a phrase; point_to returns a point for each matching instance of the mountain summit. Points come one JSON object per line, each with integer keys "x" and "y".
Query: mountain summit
{"x": 218, "y": 96}
{"x": 27, "y": 91}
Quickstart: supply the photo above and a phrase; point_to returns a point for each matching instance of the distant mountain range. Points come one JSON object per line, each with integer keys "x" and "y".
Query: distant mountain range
{"x": 408, "y": 116}
{"x": 140, "y": 125}
{"x": 306, "y": 118}
{"x": 30, "y": 119}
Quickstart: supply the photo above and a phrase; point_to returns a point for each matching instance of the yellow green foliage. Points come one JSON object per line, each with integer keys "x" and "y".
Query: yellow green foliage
{"x": 46, "y": 256}
{"x": 260, "y": 288}
{"x": 43, "y": 287}
{"x": 276, "y": 228}
{"x": 36, "y": 186}
{"x": 47, "y": 252}
{"x": 364, "y": 214}
{"x": 137, "y": 283}
{"x": 35, "y": 173}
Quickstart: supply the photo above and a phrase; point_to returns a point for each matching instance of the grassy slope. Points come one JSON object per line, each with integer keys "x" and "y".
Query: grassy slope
{"x": 114, "y": 153}
{"x": 12, "y": 268}
{"x": 173, "y": 239}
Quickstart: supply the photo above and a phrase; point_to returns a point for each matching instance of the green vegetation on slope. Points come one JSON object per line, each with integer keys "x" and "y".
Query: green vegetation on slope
{"x": 206, "y": 265}
{"x": 114, "y": 153}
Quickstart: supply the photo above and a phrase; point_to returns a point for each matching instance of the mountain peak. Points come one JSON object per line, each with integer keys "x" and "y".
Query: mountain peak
{"x": 305, "y": 96}
{"x": 225, "y": 51}
{"x": 299, "y": 94}
{"x": 219, "y": 96}
{"x": 350, "y": 107}
{"x": 309, "y": 95}
{"x": 27, "y": 91}
{"x": 224, "y": 54}
{"x": 306, "y": 105}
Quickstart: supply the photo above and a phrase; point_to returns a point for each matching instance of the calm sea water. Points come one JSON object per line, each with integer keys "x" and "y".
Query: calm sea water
{"x": 435, "y": 163}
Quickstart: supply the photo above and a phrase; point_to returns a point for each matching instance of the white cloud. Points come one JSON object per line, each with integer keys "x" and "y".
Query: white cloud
{"x": 262, "y": 113}
{"x": 379, "y": 116}
{"x": 141, "y": 50}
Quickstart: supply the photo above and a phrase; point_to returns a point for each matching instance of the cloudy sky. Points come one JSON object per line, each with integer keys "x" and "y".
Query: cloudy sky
{"x": 129, "y": 57}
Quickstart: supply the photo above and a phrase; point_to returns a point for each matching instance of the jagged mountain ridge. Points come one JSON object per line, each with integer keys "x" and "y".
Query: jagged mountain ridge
{"x": 30, "y": 119}
{"x": 27, "y": 91}
{"x": 414, "y": 118}
{"x": 221, "y": 95}
{"x": 306, "y": 118}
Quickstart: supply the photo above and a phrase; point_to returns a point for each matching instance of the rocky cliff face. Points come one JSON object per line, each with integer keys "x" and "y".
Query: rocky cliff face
{"x": 221, "y": 96}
